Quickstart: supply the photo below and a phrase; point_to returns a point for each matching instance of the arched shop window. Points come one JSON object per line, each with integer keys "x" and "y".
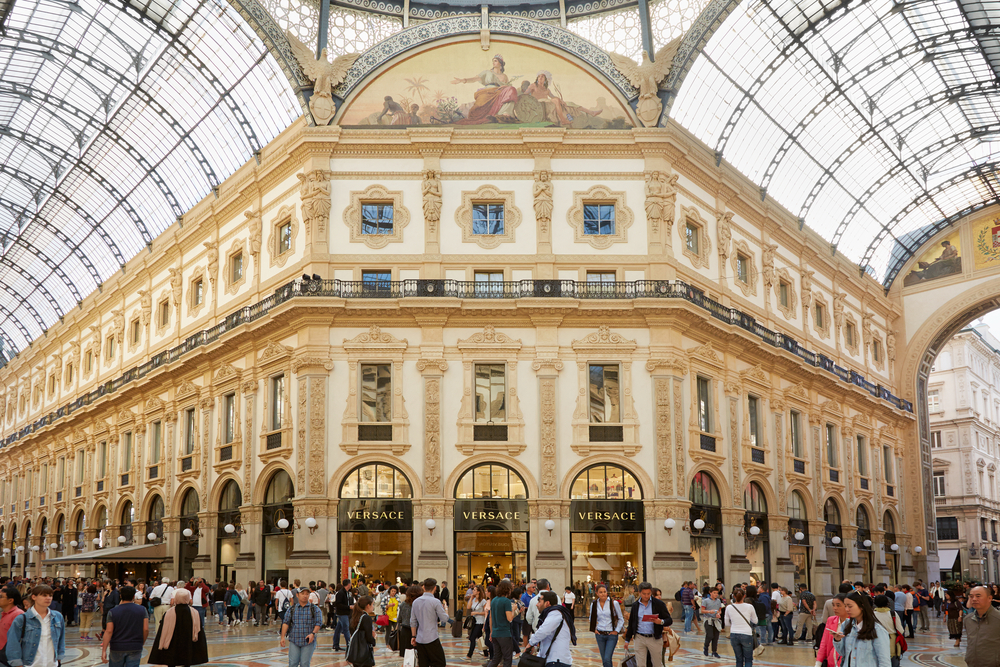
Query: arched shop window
{"x": 891, "y": 557}
{"x": 798, "y": 539}
{"x": 102, "y": 527}
{"x": 758, "y": 546}
{"x": 126, "y": 521}
{"x": 228, "y": 531}
{"x": 188, "y": 540}
{"x": 375, "y": 524}
{"x": 607, "y": 531}
{"x": 606, "y": 482}
{"x": 866, "y": 557}
{"x": 156, "y": 513}
{"x": 491, "y": 527}
{"x": 60, "y": 532}
{"x": 277, "y": 539}
{"x": 705, "y": 518}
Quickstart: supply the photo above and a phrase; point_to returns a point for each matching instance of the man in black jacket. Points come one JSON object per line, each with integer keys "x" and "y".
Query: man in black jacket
{"x": 645, "y": 625}
{"x": 343, "y": 603}
{"x": 261, "y": 600}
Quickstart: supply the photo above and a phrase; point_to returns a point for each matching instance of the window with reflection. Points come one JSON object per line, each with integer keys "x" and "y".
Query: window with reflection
{"x": 126, "y": 521}
{"x": 704, "y": 491}
{"x": 102, "y": 526}
{"x": 888, "y": 524}
{"x": 376, "y": 392}
{"x": 376, "y": 481}
{"x": 796, "y": 506}
{"x": 831, "y": 513}
{"x": 490, "y": 481}
{"x": 491, "y": 392}
{"x": 277, "y": 542}
{"x": 605, "y": 482}
{"x": 753, "y": 498}
{"x": 862, "y": 517}
{"x": 605, "y": 398}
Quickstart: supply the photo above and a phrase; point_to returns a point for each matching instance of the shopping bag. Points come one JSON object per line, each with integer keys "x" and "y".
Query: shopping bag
{"x": 672, "y": 641}
{"x": 409, "y": 658}
{"x": 629, "y": 660}
{"x": 392, "y": 638}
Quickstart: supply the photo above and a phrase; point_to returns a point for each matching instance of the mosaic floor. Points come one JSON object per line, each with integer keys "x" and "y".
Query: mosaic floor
{"x": 258, "y": 647}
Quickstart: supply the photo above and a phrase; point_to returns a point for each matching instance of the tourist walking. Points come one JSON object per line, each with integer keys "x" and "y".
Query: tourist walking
{"x": 10, "y": 605}
{"x": 711, "y": 611}
{"x": 556, "y": 632}
{"x": 38, "y": 636}
{"x": 937, "y": 597}
{"x": 404, "y": 629}
{"x": 180, "y": 638}
{"x": 954, "y": 611}
{"x": 427, "y": 612}
{"x": 87, "y": 610}
{"x": 476, "y": 609}
{"x": 741, "y": 619}
{"x": 261, "y": 601}
{"x": 647, "y": 634}
{"x": 126, "y": 632}
{"x": 887, "y": 618}
{"x": 606, "y": 622}
{"x": 786, "y": 609}
{"x": 827, "y": 655}
{"x": 982, "y": 628}
{"x": 159, "y": 600}
{"x": 923, "y": 596}
{"x": 300, "y": 628}
{"x": 807, "y": 612}
{"x": 361, "y": 642}
{"x": 501, "y": 615}
{"x": 343, "y": 605}
{"x": 861, "y": 641}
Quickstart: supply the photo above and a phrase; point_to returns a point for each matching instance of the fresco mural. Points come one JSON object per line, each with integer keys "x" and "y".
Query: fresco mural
{"x": 943, "y": 259}
{"x": 986, "y": 243}
{"x": 512, "y": 84}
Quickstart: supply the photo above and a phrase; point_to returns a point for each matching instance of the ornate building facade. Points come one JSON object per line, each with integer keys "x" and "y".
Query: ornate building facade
{"x": 583, "y": 352}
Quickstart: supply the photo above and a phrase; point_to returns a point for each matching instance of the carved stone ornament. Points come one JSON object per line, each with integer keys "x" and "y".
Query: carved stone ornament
{"x": 788, "y": 308}
{"x": 374, "y": 336}
{"x": 647, "y": 77}
{"x": 254, "y": 224}
{"x": 673, "y": 364}
{"x": 325, "y": 76}
{"x": 432, "y": 366}
{"x": 488, "y": 194}
{"x": 213, "y": 260}
{"x": 767, "y": 261}
{"x": 319, "y": 362}
{"x": 273, "y": 351}
{"x": 376, "y": 194}
{"x": 600, "y": 194}
{"x": 314, "y": 191}
{"x": 431, "y": 192}
{"x": 145, "y": 307}
{"x": 226, "y": 372}
{"x": 154, "y": 403}
{"x": 176, "y": 286}
{"x": 605, "y": 337}
{"x": 706, "y": 353}
{"x": 547, "y": 365}
{"x": 543, "y": 204}
{"x": 661, "y": 198}
{"x": 186, "y": 387}
{"x": 286, "y": 215}
{"x": 490, "y": 338}
{"x": 724, "y": 229}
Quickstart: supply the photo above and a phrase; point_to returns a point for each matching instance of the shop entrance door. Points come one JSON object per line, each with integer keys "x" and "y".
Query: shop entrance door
{"x": 482, "y": 556}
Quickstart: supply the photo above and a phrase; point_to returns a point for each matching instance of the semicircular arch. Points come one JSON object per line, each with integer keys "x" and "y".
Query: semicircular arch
{"x": 765, "y": 487}
{"x": 337, "y": 478}
{"x": 639, "y": 473}
{"x": 265, "y": 478}
{"x": 531, "y": 486}
{"x": 178, "y": 501}
{"x": 725, "y": 491}
{"x": 215, "y": 495}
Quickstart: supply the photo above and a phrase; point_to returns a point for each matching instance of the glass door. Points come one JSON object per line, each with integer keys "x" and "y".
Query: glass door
{"x": 485, "y": 559}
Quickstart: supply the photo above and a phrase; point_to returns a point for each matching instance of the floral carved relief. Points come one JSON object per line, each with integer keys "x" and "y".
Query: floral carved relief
{"x": 317, "y": 434}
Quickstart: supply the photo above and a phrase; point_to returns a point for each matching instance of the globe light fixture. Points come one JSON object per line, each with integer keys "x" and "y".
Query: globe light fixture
{"x": 311, "y": 523}
{"x": 229, "y": 528}
{"x": 699, "y": 524}
{"x": 669, "y": 524}
{"x": 282, "y": 523}
{"x": 35, "y": 548}
{"x": 431, "y": 525}
{"x": 151, "y": 537}
{"x": 96, "y": 541}
{"x": 867, "y": 543}
{"x": 799, "y": 536}
{"x": 122, "y": 539}
{"x": 72, "y": 543}
{"x": 894, "y": 547}
{"x": 54, "y": 546}
{"x": 755, "y": 530}
{"x": 187, "y": 532}
{"x": 550, "y": 525}
{"x": 20, "y": 547}
{"x": 836, "y": 539}
{"x": 918, "y": 549}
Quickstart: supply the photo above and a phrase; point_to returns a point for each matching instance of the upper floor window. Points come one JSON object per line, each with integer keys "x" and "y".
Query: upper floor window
{"x": 376, "y": 392}
{"x": 89, "y": 361}
{"x": 376, "y": 280}
{"x": 60, "y": 474}
{"x": 947, "y": 527}
{"x": 229, "y": 418}
{"x": 136, "y": 332}
{"x": 876, "y": 350}
{"x": 783, "y": 291}
{"x": 487, "y": 218}
{"x": 110, "y": 347}
{"x": 277, "y": 401}
{"x": 491, "y": 394}
{"x": 849, "y": 334}
{"x": 753, "y": 410}
{"x": 889, "y": 463}
{"x": 819, "y": 315}
{"x": 606, "y": 482}
{"x": 376, "y": 481}
{"x": 199, "y": 291}
{"x": 126, "y": 453}
{"x": 155, "y": 443}
{"x": 742, "y": 267}
{"x": 376, "y": 218}
{"x": 601, "y": 277}
{"x": 164, "y": 313}
{"x": 490, "y": 480}
{"x": 862, "y": 456}
{"x": 285, "y": 237}
{"x": 598, "y": 219}
{"x": 934, "y": 400}
{"x": 704, "y": 404}
{"x": 691, "y": 239}
{"x": 190, "y": 430}
{"x": 935, "y": 439}
{"x": 831, "y": 445}
{"x": 102, "y": 459}
{"x": 795, "y": 433}
{"x": 236, "y": 270}
{"x": 488, "y": 282}
{"x": 605, "y": 400}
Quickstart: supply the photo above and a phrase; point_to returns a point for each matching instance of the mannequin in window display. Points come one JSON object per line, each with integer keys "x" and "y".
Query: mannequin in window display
{"x": 357, "y": 570}
{"x": 615, "y": 487}
{"x": 492, "y": 575}
{"x": 630, "y": 573}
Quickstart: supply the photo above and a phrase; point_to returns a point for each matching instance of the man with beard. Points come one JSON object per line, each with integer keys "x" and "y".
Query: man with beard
{"x": 556, "y": 632}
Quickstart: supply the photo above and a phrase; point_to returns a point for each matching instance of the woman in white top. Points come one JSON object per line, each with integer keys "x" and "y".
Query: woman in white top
{"x": 476, "y": 606}
{"x": 741, "y": 619}
{"x": 606, "y": 622}
{"x": 569, "y": 597}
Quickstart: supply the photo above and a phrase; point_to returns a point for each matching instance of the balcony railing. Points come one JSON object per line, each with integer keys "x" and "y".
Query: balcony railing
{"x": 707, "y": 442}
{"x": 516, "y": 289}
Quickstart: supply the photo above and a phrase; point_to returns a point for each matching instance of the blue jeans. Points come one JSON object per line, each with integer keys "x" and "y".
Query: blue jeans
{"x": 201, "y": 612}
{"x": 606, "y": 645}
{"x": 786, "y": 623}
{"x": 743, "y": 648}
{"x": 343, "y": 626}
{"x": 688, "y": 616}
{"x": 220, "y": 611}
{"x": 764, "y": 632}
{"x": 124, "y": 658}
{"x": 299, "y": 656}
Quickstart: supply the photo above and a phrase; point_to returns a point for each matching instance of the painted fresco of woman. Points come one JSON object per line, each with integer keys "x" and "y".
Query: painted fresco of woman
{"x": 495, "y": 101}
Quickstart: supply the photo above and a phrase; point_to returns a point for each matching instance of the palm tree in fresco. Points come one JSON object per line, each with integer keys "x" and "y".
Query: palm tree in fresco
{"x": 418, "y": 85}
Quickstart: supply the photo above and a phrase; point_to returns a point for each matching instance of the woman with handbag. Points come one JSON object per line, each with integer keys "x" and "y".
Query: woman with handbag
{"x": 861, "y": 641}
{"x": 476, "y": 607}
{"x": 827, "y": 656}
{"x": 741, "y": 619}
{"x": 403, "y": 629}
{"x": 361, "y": 646}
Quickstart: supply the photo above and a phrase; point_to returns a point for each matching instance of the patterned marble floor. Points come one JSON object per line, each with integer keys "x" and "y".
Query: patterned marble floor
{"x": 258, "y": 647}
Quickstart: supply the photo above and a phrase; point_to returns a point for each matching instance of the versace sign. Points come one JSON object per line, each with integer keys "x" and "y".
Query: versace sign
{"x": 491, "y": 515}
{"x": 614, "y": 516}
{"x": 375, "y": 514}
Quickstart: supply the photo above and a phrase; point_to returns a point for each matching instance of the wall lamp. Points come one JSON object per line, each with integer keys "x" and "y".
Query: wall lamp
{"x": 550, "y": 525}
{"x": 669, "y": 525}
{"x": 310, "y": 523}
{"x": 232, "y": 529}
{"x": 431, "y": 525}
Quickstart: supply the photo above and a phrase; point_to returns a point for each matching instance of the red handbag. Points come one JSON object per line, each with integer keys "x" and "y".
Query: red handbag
{"x": 382, "y": 619}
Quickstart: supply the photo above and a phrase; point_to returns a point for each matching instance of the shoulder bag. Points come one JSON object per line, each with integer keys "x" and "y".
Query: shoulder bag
{"x": 529, "y": 659}
{"x": 359, "y": 651}
{"x": 758, "y": 648}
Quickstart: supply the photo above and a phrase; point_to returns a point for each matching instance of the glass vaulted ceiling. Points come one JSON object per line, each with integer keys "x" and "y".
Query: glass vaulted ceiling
{"x": 115, "y": 119}
{"x": 875, "y": 121}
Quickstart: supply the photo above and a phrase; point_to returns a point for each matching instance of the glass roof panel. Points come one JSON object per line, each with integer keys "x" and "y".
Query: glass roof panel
{"x": 103, "y": 116}
{"x": 855, "y": 117}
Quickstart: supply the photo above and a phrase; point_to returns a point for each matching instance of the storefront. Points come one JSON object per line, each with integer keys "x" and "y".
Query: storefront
{"x": 891, "y": 557}
{"x": 228, "y": 530}
{"x": 866, "y": 556}
{"x": 755, "y": 531}
{"x": 799, "y": 550}
{"x": 375, "y": 524}
{"x": 705, "y": 516}
{"x": 607, "y": 531}
{"x": 491, "y": 528}
{"x": 835, "y": 547}
{"x": 277, "y": 542}
{"x": 189, "y": 533}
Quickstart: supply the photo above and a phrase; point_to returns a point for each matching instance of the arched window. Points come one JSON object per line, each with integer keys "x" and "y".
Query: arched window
{"x": 231, "y": 497}
{"x": 376, "y": 481}
{"x": 863, "y": 522}
{"x": 28, "y": 534}
{"x": 190, "y": 504}
{"x": 280, "y": 489}
{"x": 43, "y": 534}
{"x": 797, "y": 506}
{"x": 831, "y": 513}
{"x": 128, "y": 513}
{"x": 102, "y": 526}
{"x": 603, "y": 482}
{"x": 753, "y": 499}
{"x": 888, "y": 524}
{"x": 156, "y": 509}
{"x": 60, "y": 531}
{"x": 491, "y": 480}
{"x": 704, "y": 491}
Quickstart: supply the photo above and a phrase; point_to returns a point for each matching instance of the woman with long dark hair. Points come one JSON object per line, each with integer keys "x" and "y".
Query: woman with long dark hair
{"x": 953, "y": 609}
{"x": 404, "y": 629}
{"x": 861, "y": 641}
{"x": 476, "y": 606}
{"x": 361, "y": 618}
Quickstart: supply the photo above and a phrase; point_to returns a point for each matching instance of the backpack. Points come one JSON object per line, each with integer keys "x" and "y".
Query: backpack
{"x": 678, "y": 596}
{"x": 235, "y": 600}
{"x": 759, "y": 610}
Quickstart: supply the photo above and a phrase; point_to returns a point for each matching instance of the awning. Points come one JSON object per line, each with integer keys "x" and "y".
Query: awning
{"x": 143, "y": 553}
{"x": 947, "y": 558}
{"x": 599, "y": 564}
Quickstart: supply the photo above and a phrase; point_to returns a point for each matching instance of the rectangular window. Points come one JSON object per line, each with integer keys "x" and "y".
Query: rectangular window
{"x": 237, "y": 268}
{"x": 43, "y": 487}
{"x": 704, "y": 404}
{"x": 69, "y": 374}
{"x": 887, "y": 461}
{"x": 60, "y": 473}
{"x": 284, "y": 238}
{"x": 155, "y": 442}
{"x": 691, "y": 238}
{"x": 110, "y": 347}
{"x": 127, "y": 452}
{"x": 136, "y": 331}
{"x": 783, "y": 293}
{"x": 934, "y": 401}
{"x": 598, "y": 219}
{"x": 487, "y": 219}
{"x": 849, "y": 334}
{"x": 819, "y": 316}
{"x": 376, "y": 218}
{"x": 90, "y": 361}
{"x": 947, "y": 527}
{"x": 605, "y": 403}
{"x": 80, "y": 463}
{"x": 52, "y": 384}
{"x": 876, "y": 351}
{"x": 753, "y": 411}
{"x": 742, "y": 268}
{"x": 795, "y": 434}
{"x": 199, "y": 292}
{"x": 164, "y": 313}
{"x": 936, "y": 439}
{"x": 488, "y": 282}
{"x": 601, "y": 277}
{"x": 190, "y": 430}
{"x": 862, "y": 456}
{"x": 491, "y": 393}
{"x": 102, "y": 459}
{"x": 376, "y": 392}
{"x": 376, "y": 280}
{"x": 277, "y": 401}
{"x": 831, "y": 446}
{"x": 229, "y": 415}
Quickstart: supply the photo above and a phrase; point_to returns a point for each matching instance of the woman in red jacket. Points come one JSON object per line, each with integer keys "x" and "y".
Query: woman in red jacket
{"x": 827, "y": 656}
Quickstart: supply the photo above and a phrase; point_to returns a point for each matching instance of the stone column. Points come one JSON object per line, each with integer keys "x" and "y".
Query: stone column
{"x": 550, "y": 561}
{"x": 431, "y": 545}
{"x": 247, "y": 564}
{"x": 204, "y": 562}
{"x": 821, "y": 567}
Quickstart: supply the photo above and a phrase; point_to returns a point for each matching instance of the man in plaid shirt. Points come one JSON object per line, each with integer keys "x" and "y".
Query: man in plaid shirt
{"x": 301, "y": 625}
